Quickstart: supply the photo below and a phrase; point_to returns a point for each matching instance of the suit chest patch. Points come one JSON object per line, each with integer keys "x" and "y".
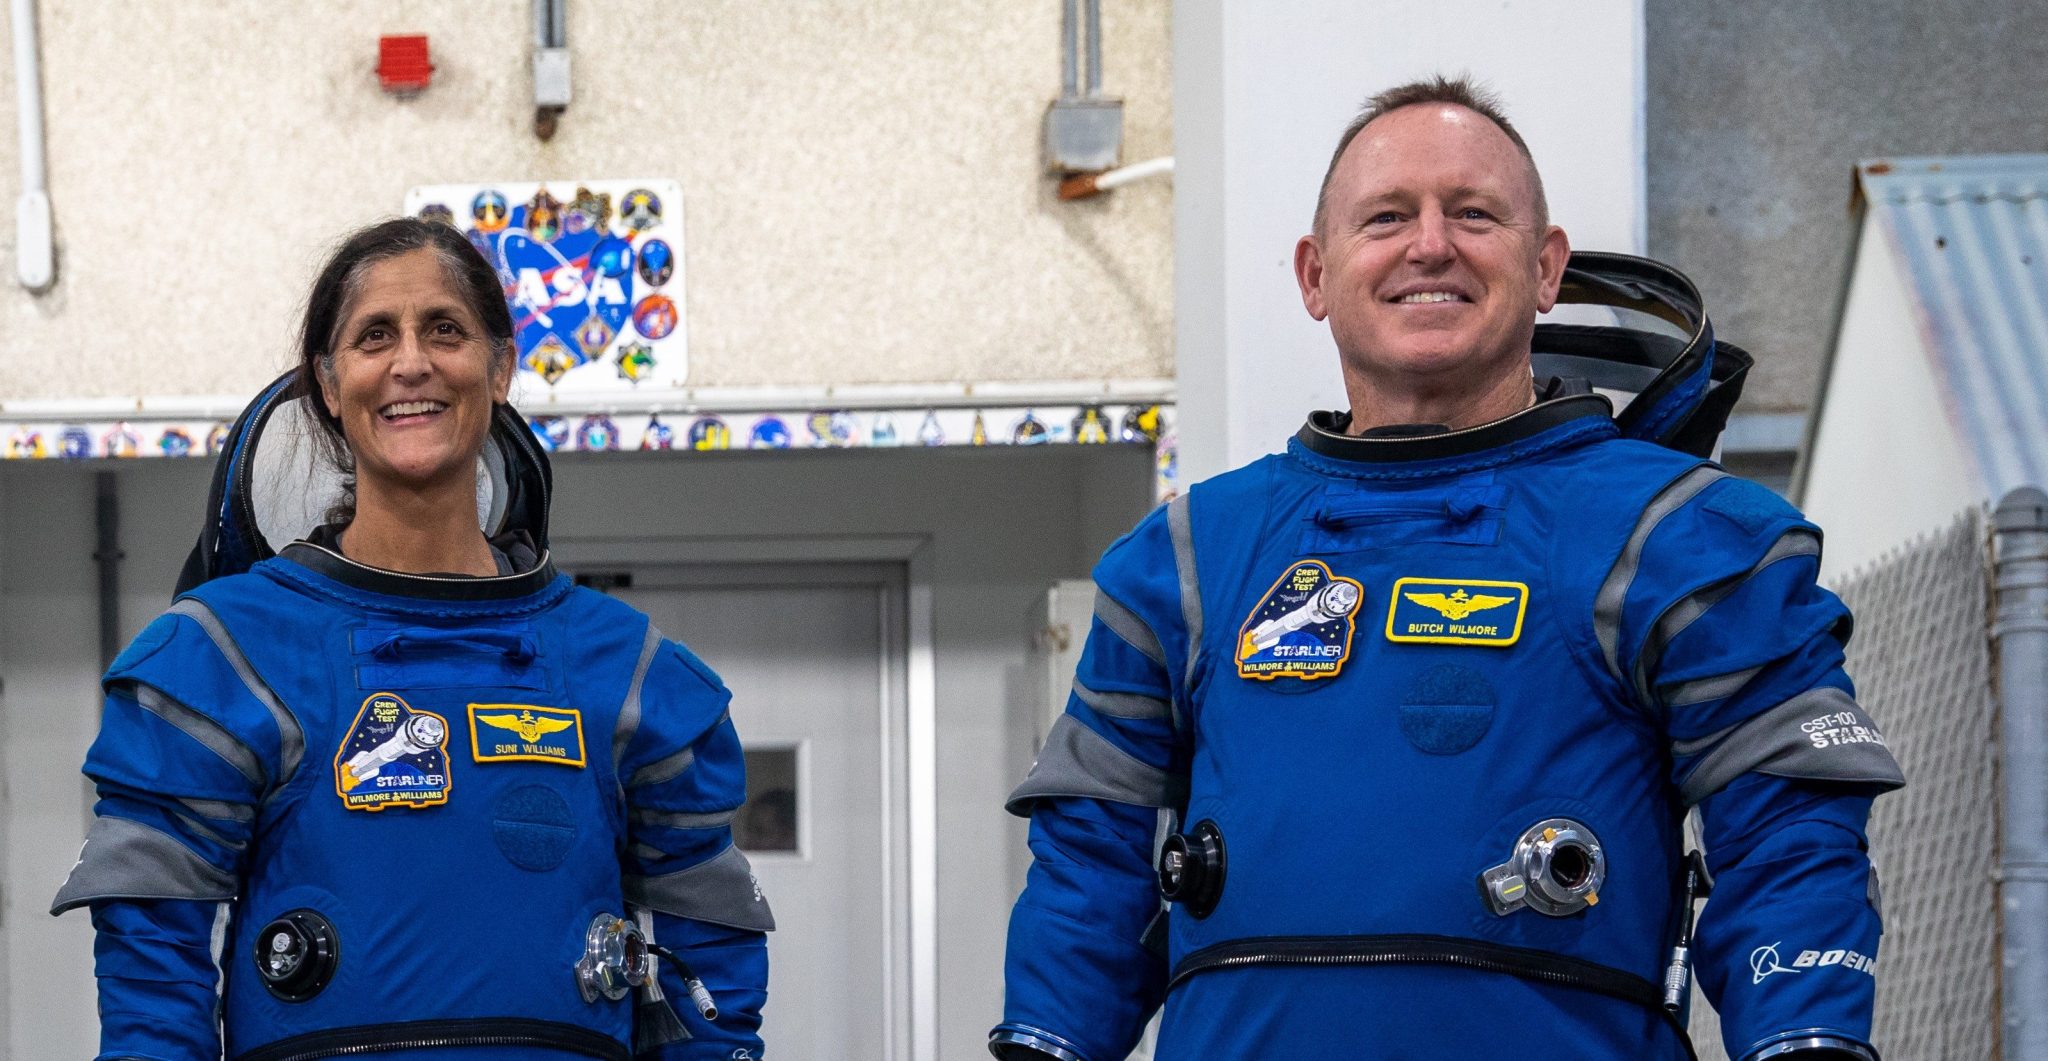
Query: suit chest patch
{"x": 525, "y": 732}
{"x": 1302, "y": 627}
{"x": 393, "y": 756}
{"x": 1444, "y": 611}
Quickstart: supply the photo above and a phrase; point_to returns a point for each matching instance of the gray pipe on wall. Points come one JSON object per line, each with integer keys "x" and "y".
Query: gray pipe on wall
{"x": 2019, "y": 642}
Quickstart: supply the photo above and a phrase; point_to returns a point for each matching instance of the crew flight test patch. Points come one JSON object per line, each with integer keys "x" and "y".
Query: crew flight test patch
{"x": 393, "y": 756}
{"x": 1303, "y": 626}
{"x": 1443, "y": 611}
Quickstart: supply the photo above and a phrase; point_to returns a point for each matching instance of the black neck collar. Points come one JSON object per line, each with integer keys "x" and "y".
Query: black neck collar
{"x": 1327, "y": 433}
{"x": 530, "y": 570}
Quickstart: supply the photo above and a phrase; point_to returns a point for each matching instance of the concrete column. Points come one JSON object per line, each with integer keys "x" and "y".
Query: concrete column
{"x": 1261, "y": 92}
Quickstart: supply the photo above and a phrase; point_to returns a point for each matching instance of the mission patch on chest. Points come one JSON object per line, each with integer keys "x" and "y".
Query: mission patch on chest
{"x": 1443, "y": 611}
{"x": 1302, "y": 627}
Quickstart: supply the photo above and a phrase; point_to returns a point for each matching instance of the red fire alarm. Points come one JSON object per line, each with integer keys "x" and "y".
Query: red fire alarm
{"x": 403, "y": 67}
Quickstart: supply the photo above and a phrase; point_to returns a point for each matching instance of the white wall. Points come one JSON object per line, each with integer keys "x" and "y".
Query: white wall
{"x": 864, "y": 192}
{"x": 1002, "y": 524}
{"x": 1886, "y": 463}
{"x": 1261, "y": 92}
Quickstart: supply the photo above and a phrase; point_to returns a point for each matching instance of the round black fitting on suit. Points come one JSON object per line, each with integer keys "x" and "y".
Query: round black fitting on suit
{"x": 1191, "y": 868}
{"x": 296, "y": 955}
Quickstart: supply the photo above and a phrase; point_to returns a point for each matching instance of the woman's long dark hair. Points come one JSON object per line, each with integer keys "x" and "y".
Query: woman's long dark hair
{"x": 341, "y": 279}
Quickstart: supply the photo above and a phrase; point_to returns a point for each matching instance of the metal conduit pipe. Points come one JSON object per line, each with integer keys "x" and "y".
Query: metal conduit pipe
{"x": 36, "y": 256}
{"x": 2019, "y": 642}
{"x": 1070, "y": 55}
{"x": 1094, "y": 24}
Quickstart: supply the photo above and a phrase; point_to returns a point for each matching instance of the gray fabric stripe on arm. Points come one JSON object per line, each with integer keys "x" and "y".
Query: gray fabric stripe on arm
{"x": 1821, "y": 734}
{"x": 1614, "y": 590}
{"x": 1077, "y": 761}
{"x": 227, "y": 812}
{"x": 1123, "y": 705}
{"x": 1125, "y": 624}
{"x": 682, "y": 820}
{"x": 1703, "y": 690}
{"x": 1180, "y": 529}
{"x": 629, "y": 711}
{"x": 291, "y": 738}
{"x": 124, "y": 859}
{"x": 1797, "y": 541}
{"x": 670, "y": 766}
{"x": 208, "y": 733}
{"x": 721, "y": 891}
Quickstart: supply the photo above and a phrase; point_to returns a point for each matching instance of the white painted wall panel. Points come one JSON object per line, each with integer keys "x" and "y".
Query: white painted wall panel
{"x": 1886, "y": 463}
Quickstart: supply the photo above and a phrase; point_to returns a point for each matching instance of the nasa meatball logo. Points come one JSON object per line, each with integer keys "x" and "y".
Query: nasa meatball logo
{"x": 1302, "y": 627}
{"x": 393, "y": 756}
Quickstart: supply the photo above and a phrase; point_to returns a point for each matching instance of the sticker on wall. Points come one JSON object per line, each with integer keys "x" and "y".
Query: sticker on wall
{"x": 75, "y": 443}
{"x": 883, "y": 431}
{"x": 930, "y": 433}
{"x": 552, "y": 432}
{"x": 709, "y": 433}
{"x": 597, "y": 433}
{"x": 174, "y": 442}
{"x": 26, "y": 444}
{"x": 657, "y": 435}
{"x": 832, "y": 428}
{"x": 216, "y": 439}
{"x": 636, "y": 362}
{"x": 1141, "y": 424}
{"x": 592, "y": 271}
{"x": 978, "y": 436}
{"x": 1089, "y": 426}
{"x": 769, "y": 433}
{"x": 1029, "y": 431}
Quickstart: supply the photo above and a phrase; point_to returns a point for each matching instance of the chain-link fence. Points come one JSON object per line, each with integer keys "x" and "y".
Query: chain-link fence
{"x": 1921, "y": 659}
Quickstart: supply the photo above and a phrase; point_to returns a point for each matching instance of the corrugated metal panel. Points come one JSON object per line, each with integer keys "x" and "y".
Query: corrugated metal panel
{"x": 1972, "y": 233}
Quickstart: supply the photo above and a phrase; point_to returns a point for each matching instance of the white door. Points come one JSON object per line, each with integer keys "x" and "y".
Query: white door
{"x": 812, "y": 655}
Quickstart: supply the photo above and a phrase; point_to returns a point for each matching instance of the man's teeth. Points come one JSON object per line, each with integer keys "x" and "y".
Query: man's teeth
{"x": 1431, "y": 296}
{"x": 412, "y": 408}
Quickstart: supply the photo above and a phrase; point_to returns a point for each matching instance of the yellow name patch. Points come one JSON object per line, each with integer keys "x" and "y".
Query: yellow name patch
{"x": 525, "y": 732}
{"x": 1443, "y": 611}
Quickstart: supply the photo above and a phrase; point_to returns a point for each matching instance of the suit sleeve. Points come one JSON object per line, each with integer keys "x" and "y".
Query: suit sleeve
{"x": 685, "y": 779}
{"x": 186, "y": 753}
{"x": 1729, "y": 641}
{"x": 1085, "y": 968}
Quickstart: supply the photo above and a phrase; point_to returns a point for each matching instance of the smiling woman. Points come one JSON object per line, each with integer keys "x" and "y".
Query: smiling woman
{"x": 457, "y": 803}
{"x": 408, "y": 343}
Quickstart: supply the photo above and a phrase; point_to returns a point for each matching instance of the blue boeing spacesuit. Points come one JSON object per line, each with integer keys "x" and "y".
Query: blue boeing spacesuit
{"x": 1424, "y": 712}
{"x": 424, "y": 804}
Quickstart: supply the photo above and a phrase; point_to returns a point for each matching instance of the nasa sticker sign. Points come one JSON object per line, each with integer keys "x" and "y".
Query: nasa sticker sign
{"x": 592, "y": 271}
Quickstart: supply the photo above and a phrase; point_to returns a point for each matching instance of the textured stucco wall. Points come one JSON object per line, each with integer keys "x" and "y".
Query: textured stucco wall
{"x": 1758, "y": 110}
{"x": 863, "y": 196}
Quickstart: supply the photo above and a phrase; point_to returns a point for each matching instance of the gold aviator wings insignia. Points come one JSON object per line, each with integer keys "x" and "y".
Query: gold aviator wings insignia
{"x": 1456, "y": 606}
{"x": 528, "y": 727}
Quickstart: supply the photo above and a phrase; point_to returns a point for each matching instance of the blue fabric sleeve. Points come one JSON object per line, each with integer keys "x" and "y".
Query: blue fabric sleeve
{"x": 1077, "y": 964}
{"x": 1733, "y": 646}
{"x": 685, "y": 778}
{"x": 154, "y": 962}
{"x": 1789, "y": 940}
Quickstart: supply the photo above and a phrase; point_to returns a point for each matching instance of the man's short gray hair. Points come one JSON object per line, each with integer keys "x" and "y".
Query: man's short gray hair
{"x": 1457, "y": 91}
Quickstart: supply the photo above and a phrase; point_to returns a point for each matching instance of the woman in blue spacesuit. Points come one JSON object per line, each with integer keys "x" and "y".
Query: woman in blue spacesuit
{"x": 450, "y": 806}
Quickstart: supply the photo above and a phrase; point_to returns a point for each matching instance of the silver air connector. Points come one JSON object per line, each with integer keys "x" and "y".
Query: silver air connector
{"x": 1557, "y": 870}
{"x": 615, "y": 959}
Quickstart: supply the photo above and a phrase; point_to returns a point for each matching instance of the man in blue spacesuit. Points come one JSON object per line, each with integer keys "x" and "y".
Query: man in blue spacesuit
{"x": 1423, "y": 701}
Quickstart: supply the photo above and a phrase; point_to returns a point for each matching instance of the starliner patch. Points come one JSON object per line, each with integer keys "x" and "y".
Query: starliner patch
{"x": 515, "y": 732}
{"x": 1444, "y": 611}
{"x": 393, "y": 756}
{"x": 1302, "y": 627}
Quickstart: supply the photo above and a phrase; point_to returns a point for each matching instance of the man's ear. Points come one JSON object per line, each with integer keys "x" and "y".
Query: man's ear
{"x": 1550, "y": 261}
{"x": 1308, "y": 272}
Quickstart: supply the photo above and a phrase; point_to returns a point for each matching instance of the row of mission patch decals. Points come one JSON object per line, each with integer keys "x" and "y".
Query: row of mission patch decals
{"x": 1303, "y": 626}
{"x": 396, "y": 755}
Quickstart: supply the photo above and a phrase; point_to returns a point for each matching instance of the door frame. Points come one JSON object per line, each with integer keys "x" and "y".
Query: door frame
{"x": 910, "y": 951}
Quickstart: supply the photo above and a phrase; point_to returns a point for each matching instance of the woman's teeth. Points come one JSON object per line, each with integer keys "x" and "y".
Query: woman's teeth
{"x": 398, "y": 409}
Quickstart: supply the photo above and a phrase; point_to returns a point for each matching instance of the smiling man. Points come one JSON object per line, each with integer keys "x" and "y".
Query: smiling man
{"x": 1420, "y": 704}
